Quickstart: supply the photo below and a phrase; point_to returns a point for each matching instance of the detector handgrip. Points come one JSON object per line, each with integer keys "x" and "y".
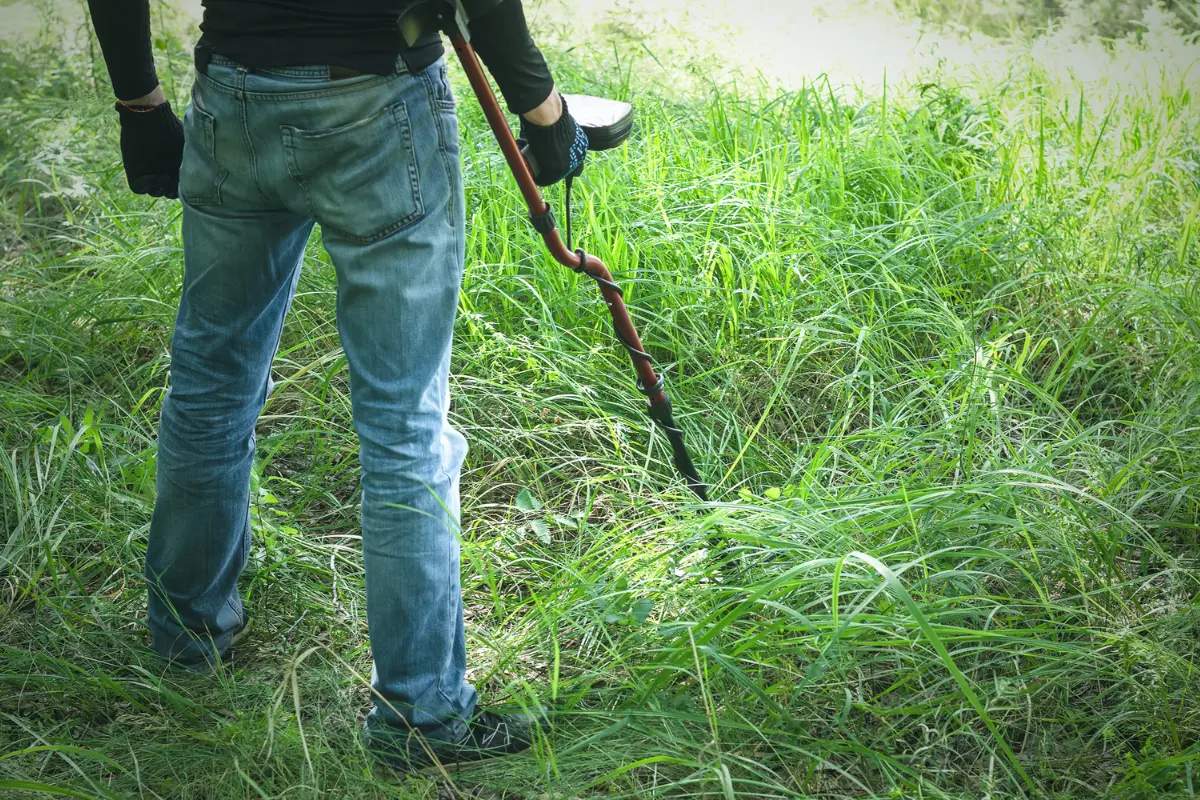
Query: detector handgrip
{"x": 607, "y": 123}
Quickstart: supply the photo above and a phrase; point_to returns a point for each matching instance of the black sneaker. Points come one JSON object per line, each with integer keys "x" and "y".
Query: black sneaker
{"x": 205, "y": 666}
{"x": 488, "y": 735}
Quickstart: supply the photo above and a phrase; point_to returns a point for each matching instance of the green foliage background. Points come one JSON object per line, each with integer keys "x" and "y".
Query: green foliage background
{"x": 1110, "y": 19}
{"x": 936, "y": 347}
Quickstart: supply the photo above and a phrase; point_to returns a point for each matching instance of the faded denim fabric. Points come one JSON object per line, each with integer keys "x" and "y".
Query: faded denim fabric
{"x": 375, "y": 161}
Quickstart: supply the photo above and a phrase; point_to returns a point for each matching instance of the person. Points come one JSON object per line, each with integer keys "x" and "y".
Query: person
{"x": 321, "y": 111}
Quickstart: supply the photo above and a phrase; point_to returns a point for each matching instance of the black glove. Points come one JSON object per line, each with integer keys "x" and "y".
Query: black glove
{"x": 152, "y": 149}
{"x": 558, "y": 150}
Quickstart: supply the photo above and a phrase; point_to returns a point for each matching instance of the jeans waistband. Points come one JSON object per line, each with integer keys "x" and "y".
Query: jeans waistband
{"x": 296, "y": 70}
{"x": 205, "y": 57}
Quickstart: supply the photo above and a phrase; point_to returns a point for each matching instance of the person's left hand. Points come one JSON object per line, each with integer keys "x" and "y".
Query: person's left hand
{"x": 151, "y": 148}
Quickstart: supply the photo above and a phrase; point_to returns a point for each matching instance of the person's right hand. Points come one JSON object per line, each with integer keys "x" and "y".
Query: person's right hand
{"x": 558, "y": 149}
{"x": 152, "y": 148}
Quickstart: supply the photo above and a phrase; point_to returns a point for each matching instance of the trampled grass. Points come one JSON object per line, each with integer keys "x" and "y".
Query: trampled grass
{"x": 936, "y": 348}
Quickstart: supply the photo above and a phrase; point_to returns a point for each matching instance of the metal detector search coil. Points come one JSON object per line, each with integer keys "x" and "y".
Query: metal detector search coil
{"x": 607, "y": 123}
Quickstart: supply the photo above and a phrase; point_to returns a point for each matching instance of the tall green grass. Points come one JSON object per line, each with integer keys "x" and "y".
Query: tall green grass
{"x": 936, "y": 350}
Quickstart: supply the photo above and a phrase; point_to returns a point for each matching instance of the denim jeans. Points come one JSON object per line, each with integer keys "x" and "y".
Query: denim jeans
{"x": 374, "y": 160}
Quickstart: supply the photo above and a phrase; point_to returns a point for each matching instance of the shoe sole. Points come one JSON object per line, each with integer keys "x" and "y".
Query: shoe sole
{"x": 209, "y": 668}
{"x": 241, "y": 633}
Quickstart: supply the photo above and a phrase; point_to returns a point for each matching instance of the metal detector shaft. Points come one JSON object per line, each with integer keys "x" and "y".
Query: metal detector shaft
{"x": 660, "y": 404}
{"x": 537, "y": 206}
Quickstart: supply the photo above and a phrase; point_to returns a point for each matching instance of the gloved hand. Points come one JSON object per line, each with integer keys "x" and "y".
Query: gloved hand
{"x": 152, "y": 149}
{"x": 558, "y": 150}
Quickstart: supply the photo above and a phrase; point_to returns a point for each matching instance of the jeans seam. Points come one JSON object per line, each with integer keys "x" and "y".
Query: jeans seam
{"x": 241, "y": 101}
{"x": 436, "y": 110}
{"x": 452, "y": 599}
{"x": 444, "y": 473}
{"x": 404, "y": 127}
{"x": 209, "y": 147}
{"x": 435, "y": 107}
{"x": 445, "y": 666}
{"x": 288, "y": 136}
{"x": 235, "y": 599}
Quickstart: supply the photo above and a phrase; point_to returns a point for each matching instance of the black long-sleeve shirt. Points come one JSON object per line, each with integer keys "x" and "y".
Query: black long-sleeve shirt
{"x": 357, "y": 34}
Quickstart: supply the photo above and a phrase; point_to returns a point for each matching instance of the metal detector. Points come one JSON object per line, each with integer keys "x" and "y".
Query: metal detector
{"x": 607, "y": 124}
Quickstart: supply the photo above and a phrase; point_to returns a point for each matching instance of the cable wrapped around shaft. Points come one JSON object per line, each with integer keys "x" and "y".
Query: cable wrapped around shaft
{"x": 661, "y": 413}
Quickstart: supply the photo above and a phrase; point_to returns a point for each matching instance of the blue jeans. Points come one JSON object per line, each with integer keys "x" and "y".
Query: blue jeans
{"x": 375, "y": 161}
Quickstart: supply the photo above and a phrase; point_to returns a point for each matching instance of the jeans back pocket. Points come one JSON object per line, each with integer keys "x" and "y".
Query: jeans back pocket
{"x": 200, "y": 176}
{"x": 361, "y": 179}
